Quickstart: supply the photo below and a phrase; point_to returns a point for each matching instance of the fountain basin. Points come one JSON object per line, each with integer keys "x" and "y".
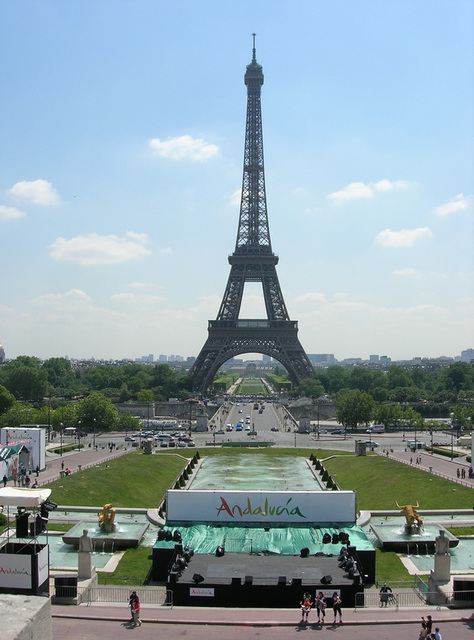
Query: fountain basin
{"x": 394, "y": 537}
{"x": 124, "y": 535}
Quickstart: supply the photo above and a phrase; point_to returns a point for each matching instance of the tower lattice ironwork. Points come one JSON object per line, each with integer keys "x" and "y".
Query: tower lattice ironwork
{"x": 252, "y": 261}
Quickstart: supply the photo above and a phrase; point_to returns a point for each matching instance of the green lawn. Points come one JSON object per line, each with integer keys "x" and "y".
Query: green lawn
{"x": 381, "y": 482}
{"x": 133, "y": 480}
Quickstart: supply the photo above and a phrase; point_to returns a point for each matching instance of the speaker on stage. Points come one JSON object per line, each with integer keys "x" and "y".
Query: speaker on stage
{"x": 178, "y": 549}
{"x": 220, "y": 551}
{"x": 22, "y": 525}
{"x": 173, "y": 577}
{"x": 236, "y": 582}
{"x": 248, "y": 580}
{"x": 296, "y": 582}
{"x": 161, "y": 534}
{"x": 197, "y": 577}
{"x": 335, "y": 538}
{"x": 327, "y": 538}
{"x": 177, "y": 535}
{"x": 326, "y": 579}
{"x": 282, "y": 581}
{"x": 304, "y": 552}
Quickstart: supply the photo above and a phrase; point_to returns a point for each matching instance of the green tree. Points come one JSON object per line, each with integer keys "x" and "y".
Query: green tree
{"x": 311, "y": 388}
{"x": 388, "y": 414}
{"x": 7, "y": 399}
{"x": 126, "y": 422}
{"x": 24, "y": 378}
{"x": 97, "y": 413}
{"x": 354, "y": 407}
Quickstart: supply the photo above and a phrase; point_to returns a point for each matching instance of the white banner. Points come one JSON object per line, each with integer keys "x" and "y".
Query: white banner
{"x": 43, "y": 565}
{"x": 201, "y": 591}
{"x": 297, "y": 507}
{"x": 15, "y": 571}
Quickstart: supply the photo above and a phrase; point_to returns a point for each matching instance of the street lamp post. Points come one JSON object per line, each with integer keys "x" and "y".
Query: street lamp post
{"x": 93, "y": 439}
{"x": 79, "y": 435}
{"x": 318, "y": 416}
{"x": 452, "y": 446}
{"x": 61, "y": 436}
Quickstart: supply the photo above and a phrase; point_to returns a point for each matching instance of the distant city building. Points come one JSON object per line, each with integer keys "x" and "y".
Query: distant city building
{"x": 321, "y": 359}
{"x": 2, "y": 354}
{"x": 466, "y": 356}
{"x": 385, "y": 360}
{"x": 374, "y": 358}
{"x": 162, "y": 358}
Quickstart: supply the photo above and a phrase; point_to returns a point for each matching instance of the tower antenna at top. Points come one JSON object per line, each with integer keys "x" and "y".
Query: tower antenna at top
{"x": 254, "y": 57}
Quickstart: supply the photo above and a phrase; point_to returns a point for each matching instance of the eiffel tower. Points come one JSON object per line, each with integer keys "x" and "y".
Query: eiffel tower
{"x": 252, "y": 261}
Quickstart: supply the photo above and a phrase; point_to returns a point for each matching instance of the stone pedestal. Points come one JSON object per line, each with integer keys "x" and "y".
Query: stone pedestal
{"x": 84, "y": 565}
{"x": 442, "y": 568}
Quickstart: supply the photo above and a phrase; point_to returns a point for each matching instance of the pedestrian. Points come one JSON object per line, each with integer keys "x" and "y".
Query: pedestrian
{"x": 62, "y": 465}
{"x": 37, "y": 470}
{"x": 336, "y": 607}
{"x": 458, "y": 473}
{"x": 384, "y": 591}
{"x": 437, "y": 634}
{"x": 428, "y": 623}
{"x": 305, "y": 604}
{"x": 411, "y": 460}
{"x": 131, "y": 598}
{"x": 35, "y": 484}
{"x": 321, "y": 607}
{"x": 5, "y": 480}
{"x": 136, "y": 612}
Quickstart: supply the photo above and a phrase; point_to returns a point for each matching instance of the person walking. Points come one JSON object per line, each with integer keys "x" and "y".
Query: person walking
{"x": 136, "y": 612}
{"x": 131, "y": 598}
{"x": 306, "y": 605}
{"x": 5, "y": 480}
{"x": 428, "y": 624}
{"x": 336, "y": 607}
{"x": 384, "y": 591}
{"x": 437, "y": 634}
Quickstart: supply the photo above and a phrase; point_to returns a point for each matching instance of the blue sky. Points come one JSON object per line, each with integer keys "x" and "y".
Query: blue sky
{"x": 121, "y": 146}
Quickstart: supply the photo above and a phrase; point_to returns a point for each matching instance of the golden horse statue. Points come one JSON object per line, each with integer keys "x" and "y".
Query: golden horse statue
{"x": 411, "y": 514}
{"x": 107, "y": 515}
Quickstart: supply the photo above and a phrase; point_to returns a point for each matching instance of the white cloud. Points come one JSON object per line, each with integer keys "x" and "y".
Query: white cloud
{"x": 39, "y": 192}
{"x": 403, "y": 238}
{"x": 235, "y": 198}
{"x": 407, "y": 272}
{"x": 75, "y": 297}
{"x": 131, "y": 298}
{"x": 184, "y": 147}
{"x": 357, "y": 190}
{"x": 353, "y": 191}
{"x": 387, "y": 185}
{"x": 311, "y": 296}
{"x": 94, "y": 249}
{"x": 458, "y": 203}
{"x": 10, "y": 213}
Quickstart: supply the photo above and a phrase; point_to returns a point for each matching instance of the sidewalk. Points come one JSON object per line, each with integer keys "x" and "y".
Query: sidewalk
{"x": 255, "y": 617}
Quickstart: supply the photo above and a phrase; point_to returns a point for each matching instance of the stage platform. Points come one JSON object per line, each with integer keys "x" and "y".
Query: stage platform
{"x": 238, "y": 578}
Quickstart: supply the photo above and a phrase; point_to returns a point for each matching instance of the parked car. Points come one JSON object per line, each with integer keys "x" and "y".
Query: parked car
{"x": 181, "y": 443}
{"x": 371, "y": 443}
{"x": 274, "y": 429}
{"x": 164, "y": 444}
{"x": 323, "y": 431}
{"x": 220, "y": 432}
{"x": 252, "y": 433}
{"x": 339, "y": 432}
{"x": 129, "y": 439}
{"x": 135, "y": 444}
{"x": 171, "y": 443}
{"x": 191, "y": 443}
{"x": 238, "y": 427}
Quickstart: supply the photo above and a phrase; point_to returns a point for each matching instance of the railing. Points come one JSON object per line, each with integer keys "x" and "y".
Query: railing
{"x": 159, "y": 596}
{"x": 414, "y": 598}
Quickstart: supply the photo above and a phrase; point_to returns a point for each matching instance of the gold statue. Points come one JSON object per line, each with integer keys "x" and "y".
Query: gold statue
{"x": 411, "y": 514}
{"x": 106, "y": 516}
